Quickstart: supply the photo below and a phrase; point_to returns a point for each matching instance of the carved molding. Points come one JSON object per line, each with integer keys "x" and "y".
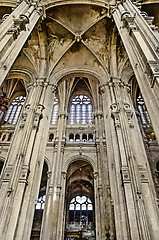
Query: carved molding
{"x": 24, "y": 174}
{"x": 115, "y": 115}
{"x": 38, "y": 115}
{"x": 7, "y": 174}
{"x": 125, "y": 175}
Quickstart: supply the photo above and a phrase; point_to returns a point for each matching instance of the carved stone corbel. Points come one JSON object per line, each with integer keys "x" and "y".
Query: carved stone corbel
{"x": 153, "y": 72}
{"x": 38, "y": 115}
{"x": 129, "y": 114}
{"x": 115, "y": 115}
{"x": 24, "y": 115}
{"x": 24, "y": 174}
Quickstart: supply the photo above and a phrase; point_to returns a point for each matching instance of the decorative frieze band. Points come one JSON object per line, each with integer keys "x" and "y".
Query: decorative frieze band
{"x": 114, "y": 82}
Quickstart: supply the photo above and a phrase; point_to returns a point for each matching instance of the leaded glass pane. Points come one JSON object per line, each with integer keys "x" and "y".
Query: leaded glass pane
{"x": 81, "y": 111}
{"x": 14, "y": 110}
{"x": 55, "y": 111}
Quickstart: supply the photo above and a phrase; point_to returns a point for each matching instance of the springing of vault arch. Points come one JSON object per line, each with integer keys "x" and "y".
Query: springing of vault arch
{"x": 77, "y": 158}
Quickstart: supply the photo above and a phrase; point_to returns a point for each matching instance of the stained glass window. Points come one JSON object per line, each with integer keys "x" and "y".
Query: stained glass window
{"x": 14, "y": 110}
{"x": 55, "y": 111}
{"x": 143, "y": 111}
{"x": 81, "y": 203}
{"x": 41, "y": 202}
{"x": 81, "y": 111}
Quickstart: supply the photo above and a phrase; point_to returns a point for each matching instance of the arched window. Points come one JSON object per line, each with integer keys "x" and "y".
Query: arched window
{"x": 80, "y": 210}
{"x": 145, "y": 119}
{"x": 90, "y": 137}
{"x": 84, "y": 138}
{"x": 14, "y": 110}
{"x": 1, "y": 114}
{"x": 81, "y": 110}
{"x": 41, "y": 202}
{"x": 77, "y": 138}
{"x": 40, "y": 205}
{"x": 51, "y": 137}
{"x": 71, "y": 137}
{"x": 54, "y": 111}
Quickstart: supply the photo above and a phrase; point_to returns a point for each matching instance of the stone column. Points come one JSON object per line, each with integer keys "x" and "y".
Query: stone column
{"x": 56, "y": 194}
{"x": 104, "y": 207}
{"x": 12, "y": 41}
{"x": 117, "y": 199}
{"x": 133, "y": 167}
{"x": 36, "y": 160}
{"x": 141, "y": 43}
{"x": 19, "y": 168}
{"x": 97, "y": 206}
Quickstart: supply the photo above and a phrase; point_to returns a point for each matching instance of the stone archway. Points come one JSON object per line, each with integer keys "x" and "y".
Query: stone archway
{"x": 80, "y": 202}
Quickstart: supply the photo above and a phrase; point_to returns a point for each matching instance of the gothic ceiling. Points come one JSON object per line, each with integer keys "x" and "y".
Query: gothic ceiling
{"x": 78, "y": 35}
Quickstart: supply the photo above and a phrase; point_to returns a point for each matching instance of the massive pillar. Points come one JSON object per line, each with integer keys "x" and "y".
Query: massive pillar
{"x": 141, "y": 42}
{"x": 53, "y": 214}
{"x": 22, "y": 173}
{"x": 15, "y": 32}
{"x": 134, "y": 196}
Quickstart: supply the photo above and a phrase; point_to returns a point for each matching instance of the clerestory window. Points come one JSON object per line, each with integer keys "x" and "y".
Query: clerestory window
{"x": 81, "y": 110}
{"x": 14, "y": 110}
{"x": 55, "y": 111}
{"x": 143, "y": 111}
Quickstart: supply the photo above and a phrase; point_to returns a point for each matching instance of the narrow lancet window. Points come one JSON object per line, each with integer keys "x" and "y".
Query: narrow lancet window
{"x": 143, "y": 111}
{"x": 54, "y": 111}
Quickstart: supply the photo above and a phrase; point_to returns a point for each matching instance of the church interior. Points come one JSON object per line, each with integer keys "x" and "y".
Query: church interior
{"x": 79, "y": 128}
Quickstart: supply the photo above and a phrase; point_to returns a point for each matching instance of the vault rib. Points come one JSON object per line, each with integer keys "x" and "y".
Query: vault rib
{"x": 95, "y": 55}
{"x": 62, "y": 55}
{"x": 94, "y": 23}
{"x": 63, "y": 25}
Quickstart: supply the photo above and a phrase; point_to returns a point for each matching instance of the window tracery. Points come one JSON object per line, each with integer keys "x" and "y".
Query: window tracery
{"x": 81, "y": 110}
{"x": 14, "y": 110}
{"x": 81, "y": 210}
{"x": 41, "y": 202}
{"x": 143, "y": 111}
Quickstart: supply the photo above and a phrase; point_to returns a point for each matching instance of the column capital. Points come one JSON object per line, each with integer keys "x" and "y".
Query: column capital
{"x": 153, "y": 72}
{"x": 39, "y": 82}
{"x": 53, "y": 87}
